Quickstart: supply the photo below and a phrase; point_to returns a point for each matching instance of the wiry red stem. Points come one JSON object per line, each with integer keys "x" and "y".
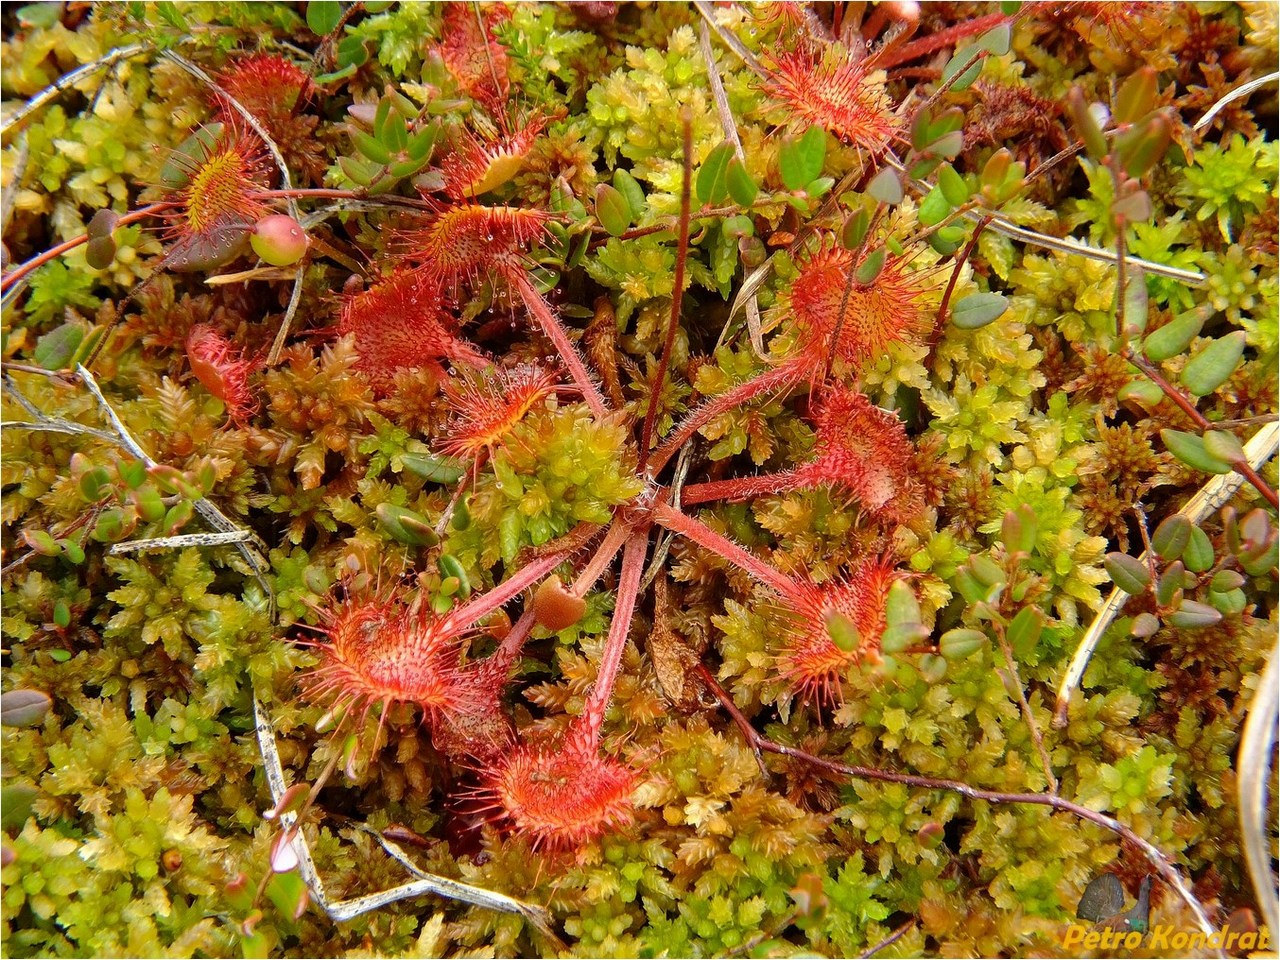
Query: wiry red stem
{"x": 677, "y": 293}
{"x": 20, "y": 271}
{"x": 559, "y": 338}
{"x": 784, "y": 375}
{"x": 628, "y": 590}
{"x": 760, "y": 744}
{"x": 697, "y": 531}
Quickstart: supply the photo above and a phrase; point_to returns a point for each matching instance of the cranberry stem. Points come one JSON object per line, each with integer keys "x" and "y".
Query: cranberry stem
{"x": 20, "y": 271}
{"x": 677, "y": 292}
{"x": 555, "y": 332}
{"x": 697, "y": 531}
{"x": 628, "y": 590}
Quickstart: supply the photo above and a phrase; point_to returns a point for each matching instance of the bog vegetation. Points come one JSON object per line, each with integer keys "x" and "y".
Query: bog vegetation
{"x": 751, "y": 480}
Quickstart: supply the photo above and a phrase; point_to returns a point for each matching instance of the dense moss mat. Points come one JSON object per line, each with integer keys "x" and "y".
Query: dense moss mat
{"x": 919, "y": 449}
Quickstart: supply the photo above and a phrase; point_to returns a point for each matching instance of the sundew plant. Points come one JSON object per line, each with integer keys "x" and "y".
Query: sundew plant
{"x": 639, "y": 479}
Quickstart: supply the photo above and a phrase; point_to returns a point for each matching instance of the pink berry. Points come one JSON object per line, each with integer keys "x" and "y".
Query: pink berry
{"x": 279, "y": 240}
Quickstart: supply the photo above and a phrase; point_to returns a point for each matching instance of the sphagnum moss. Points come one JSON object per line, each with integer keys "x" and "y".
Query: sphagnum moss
{"x": 883, "y": 557}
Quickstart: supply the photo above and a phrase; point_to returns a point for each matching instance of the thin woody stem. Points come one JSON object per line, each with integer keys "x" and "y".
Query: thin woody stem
{"x": 20, "y": 271}
{"x": 784, "y": 375}
{"x": 1037, "y": 738}
{"x": 677, "y": 292}
{"x": 697, "y": 531}
{"x": 565, "y": 347}
{"x": 760, "y": 744}
{"x": 628, "y": 590}
{"x": 951, "y": 281}
{"x": 1173, "y": 393}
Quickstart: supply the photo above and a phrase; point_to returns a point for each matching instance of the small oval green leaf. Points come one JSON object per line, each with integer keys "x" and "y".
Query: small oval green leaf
{"x": 629, "y": 187}
{"x": 1128, "y": 573}
{"x": 406, "y": 526}
{"x": 612, "y": 210}
{"x": 965, "y": 75}
{"x": 978, "y": 309}
{"x": 961, "y": 643}
{"x": 1171, "y": 584}
{"x": 1194, "y": 616}
{"x": 23, "y": 708}
{"x": 842, "y": 631}
{"x": 1190, "y": 449}
{"x": 800, "y": 159}
{"x": 1024, "y": 632}
{"x": 742, "y": 187}
{"x": 952, "y": 185}
{"x": 867, "y": 271}
{"x": 323, "y": 16}
{"x": 1198, "y": 555}
{"x": 1171, "y": 537}
{"x": 1137, "y": 96}
{"x": 711, "y": 184}
{"x": 855, "y": 229}
{"x": 934, "y": 208}
{"x": 442, "y": 470}
{"x": 996, "y": 40}
{"x": 1086, "y": 124}
{"x": 1174, "y": 337}
{"x": 1225, "y": 446}
{"x": 886, "y": 187}
{"x": 1210, "y": 368}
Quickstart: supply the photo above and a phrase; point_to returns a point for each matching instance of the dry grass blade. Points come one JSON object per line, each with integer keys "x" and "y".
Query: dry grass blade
{"x": 1254, "y": 769}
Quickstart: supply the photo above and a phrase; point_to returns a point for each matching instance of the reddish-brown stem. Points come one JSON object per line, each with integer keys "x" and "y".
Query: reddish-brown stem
{"x": 955, "y": 273}
{"x": 608, "y": 549}
{"x": 891, "y": 939}
{"x": 1187, "y": 407}
{"x": 20, "y": 271}
{"x": 1015, "y": 681}
{"x": 1121, "y": 273}
{"x": 628, "y": 590}
{"x": 556, "y": 333}
{"x": 760, "y": 744}
{"x": 786, "y": 374}
{"x": 677, "y": 292}
{"x": 697, "y": 531}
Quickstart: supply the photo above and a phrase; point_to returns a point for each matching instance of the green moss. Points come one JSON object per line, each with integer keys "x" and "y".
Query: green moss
{"x": 133, "y": 806}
